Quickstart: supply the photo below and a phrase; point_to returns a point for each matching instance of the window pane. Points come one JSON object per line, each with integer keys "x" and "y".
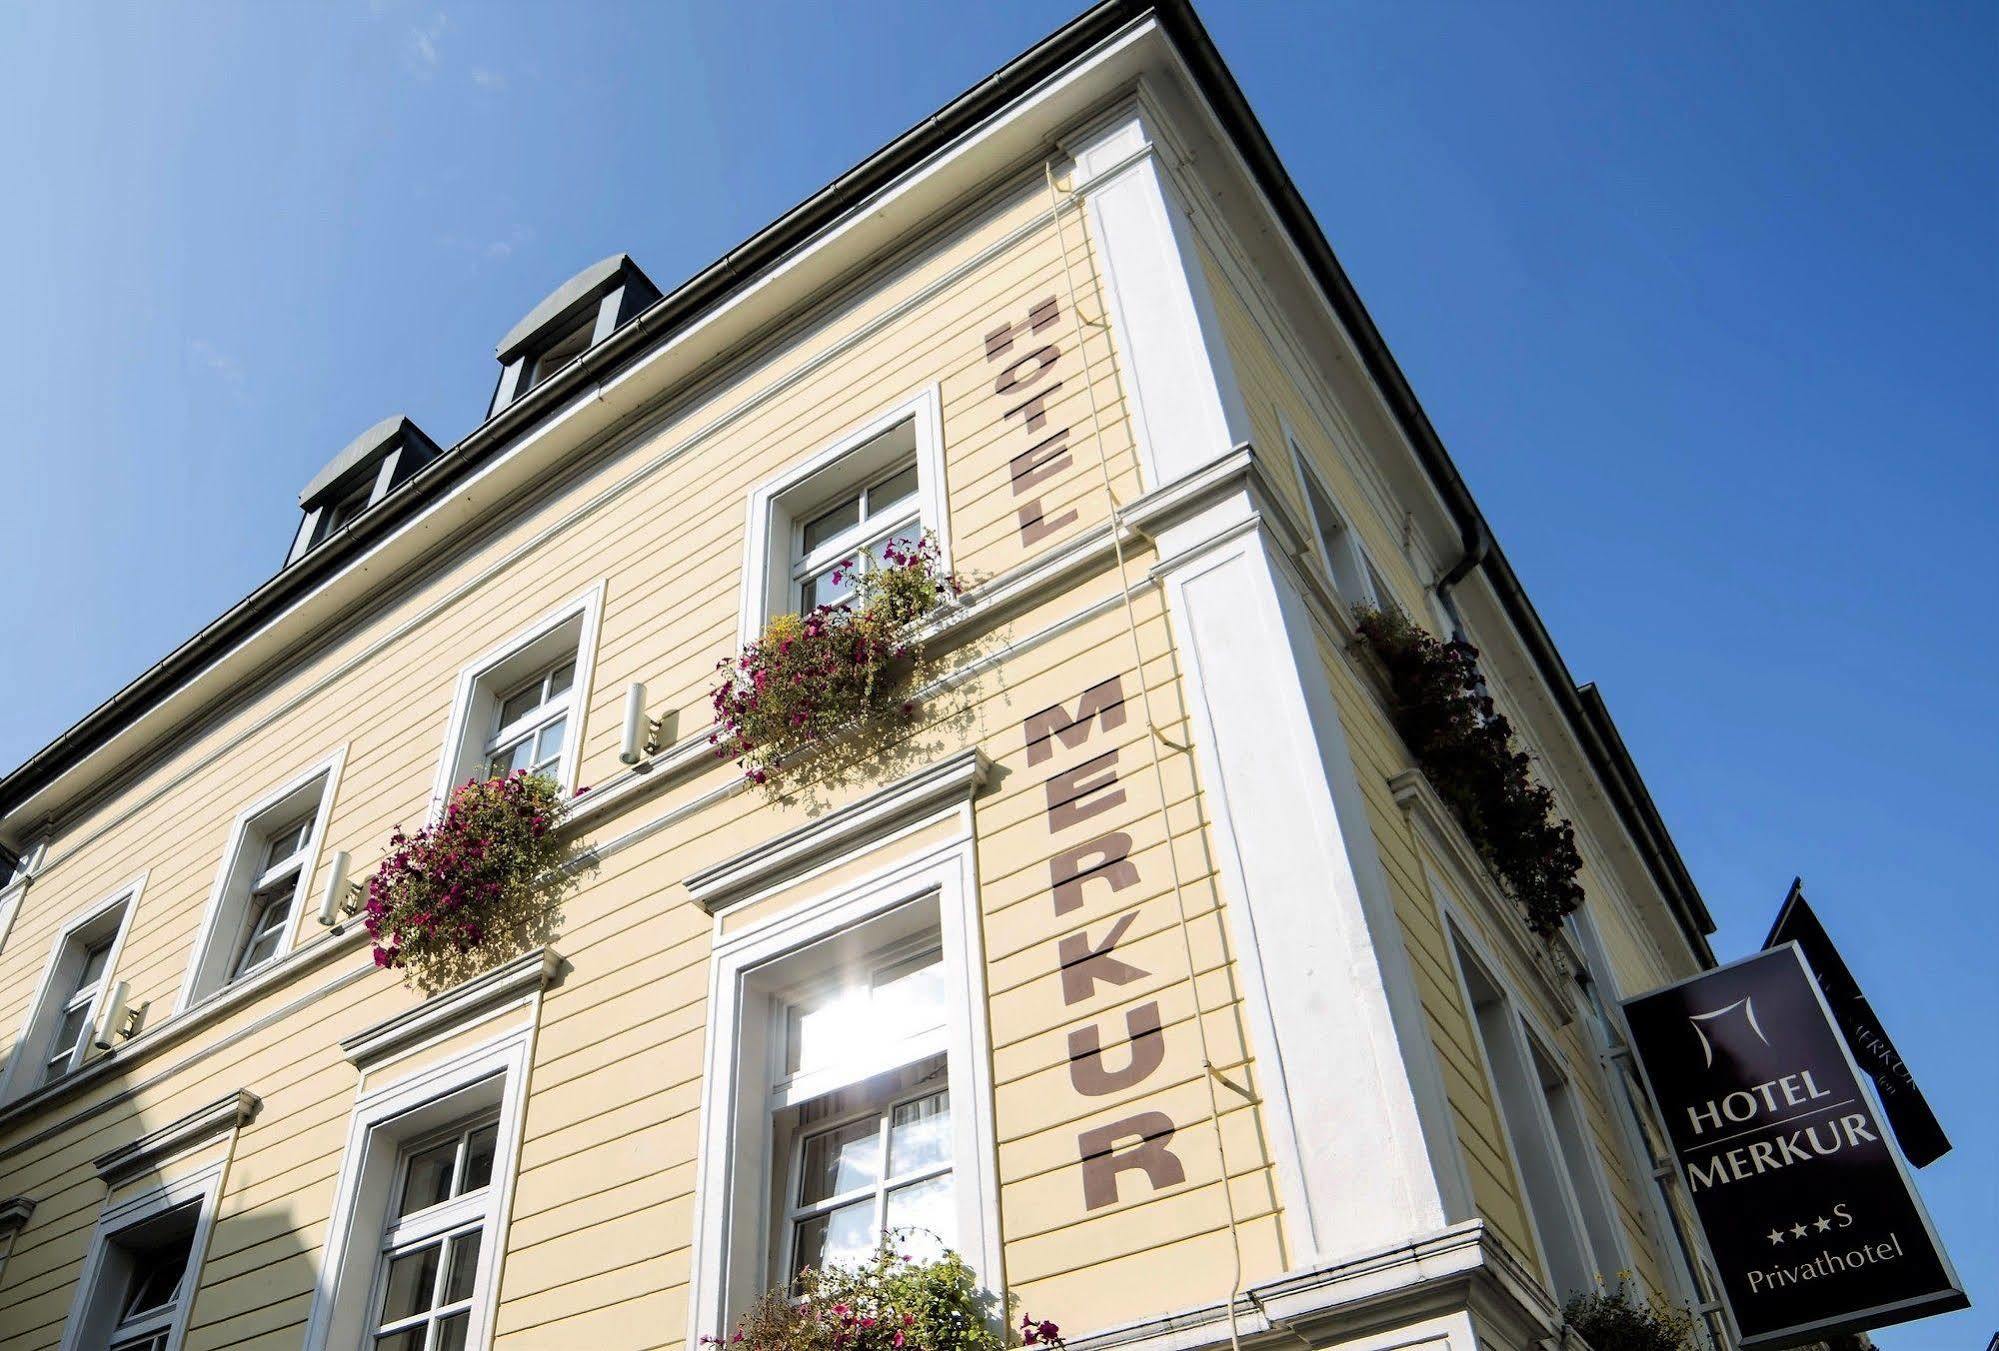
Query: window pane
{"x": 267, "y": 927}
{"x": 409, "y": 1339}
{"x": 548, "y": 747}
{"x": 841, "y": 1237}
{"x": 156, "y": 1276}
{"x": 823, "y": 590}
{"x": 286, "y": 841}
{"x": 925, "y": 1207}
{"x": 94, "y": 958}
{"x": 464, "y": 1267}
{"x": 561, "y": 678}
{"x": 919, "y": 1134}
{"x": 72, "y": 1027}
{"x": 909, "y": 995}
{"x": 451, "y": 1332}
{"x": 479, "y": 1157}
{"x": 151, "y": 1341}
{"x": 412, "y": 1283}
{"x": 904, "y": 542}
{"x": 830, "y": 522}
{"x": 520, "y": 703}
{"x": 505, "y": 762}
{"x": 891, "y": 491}
{"x": 429, "y": 1178}
{"x": 840, "y": 1160}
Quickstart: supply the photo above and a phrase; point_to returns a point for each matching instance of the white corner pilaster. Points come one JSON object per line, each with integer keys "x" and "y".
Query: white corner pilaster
{"x": 1368, "y": 1155}
{"x": 1179, "y": 381}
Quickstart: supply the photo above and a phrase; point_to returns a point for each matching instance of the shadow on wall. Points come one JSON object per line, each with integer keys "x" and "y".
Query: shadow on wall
{"x": 111, "y": 1208}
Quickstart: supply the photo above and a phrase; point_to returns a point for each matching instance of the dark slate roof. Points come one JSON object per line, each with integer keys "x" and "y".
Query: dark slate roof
{"x": 560, "y": 299}
{"x": 358, "y": 452}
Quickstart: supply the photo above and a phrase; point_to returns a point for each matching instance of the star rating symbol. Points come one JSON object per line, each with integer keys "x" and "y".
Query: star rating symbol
{"x": 1776, "y": 1238}
{"x": 1797, "y": 1231}
{"x": 1822, "y": 1224}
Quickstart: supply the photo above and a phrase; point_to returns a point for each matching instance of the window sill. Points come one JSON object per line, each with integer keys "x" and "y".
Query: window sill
{"x": 177, "y": 1027}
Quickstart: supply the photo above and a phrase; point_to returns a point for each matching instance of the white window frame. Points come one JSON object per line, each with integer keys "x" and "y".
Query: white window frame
{"x": 1558, "y": 1191}
{"x": 1344, "y": 553}
{"x": 736, "y": 1247}
{"x": 546, "y": 711}
{"x": 487, "y": 1079}
{"x": 570, "y": 628}
{"x": 779, "y": 506}
{"x": 438, "y": 1224}
{"x": 231, "y": 898}
{"x": 93, "y": 1315}
{"x": 17, "y": 886}
{"x": 31, "y": 1045}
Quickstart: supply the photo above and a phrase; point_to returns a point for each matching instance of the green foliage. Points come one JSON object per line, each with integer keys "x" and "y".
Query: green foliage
{"x": 481, "y": 884}
{"x": 1611, "y": 1320}
{"x": 833, "y": 674}
{"x": 1467, "y": 750}
{"x": 891, "y": 1302}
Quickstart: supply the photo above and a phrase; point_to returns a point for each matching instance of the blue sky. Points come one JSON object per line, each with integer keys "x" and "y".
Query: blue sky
{"x": 1703, "y": 299}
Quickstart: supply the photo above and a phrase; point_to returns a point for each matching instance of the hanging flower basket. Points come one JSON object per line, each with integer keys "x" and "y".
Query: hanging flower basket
{"x": 835, "y": 673}
{"x": 1613, "y": 1319}
{"x": 890, "y": 1302}
{"x": 1467, "y": 750}
{"x": 480, "y": 885}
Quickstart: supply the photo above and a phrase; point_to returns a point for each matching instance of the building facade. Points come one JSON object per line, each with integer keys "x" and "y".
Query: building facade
{"x": 1143, "y": 967}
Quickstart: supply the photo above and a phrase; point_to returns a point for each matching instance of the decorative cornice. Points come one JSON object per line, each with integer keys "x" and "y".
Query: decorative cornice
{"x": 1463, "y": 1266}
{"x": 14, "y": 1213}
{"x": 527, "y": 974}
{"x": 925, "y": 793}
{"x": 1553, "y": 961}
{"x": 203, "y": 1124}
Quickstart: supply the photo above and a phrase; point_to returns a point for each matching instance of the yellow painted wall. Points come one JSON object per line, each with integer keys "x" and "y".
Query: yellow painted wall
{"x": 602, "y": 1217}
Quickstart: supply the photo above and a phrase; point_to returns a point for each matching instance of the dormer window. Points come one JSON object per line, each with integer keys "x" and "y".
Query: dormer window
{"x": 373, "y": 465}
{"x": 573, "y": 318}
{"x": 565, "y": 348}
{"x": 346, "y": 509}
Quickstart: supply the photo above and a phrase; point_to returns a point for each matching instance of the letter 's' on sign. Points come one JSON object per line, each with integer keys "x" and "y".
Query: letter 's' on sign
{"x": 1807, "y": 1208}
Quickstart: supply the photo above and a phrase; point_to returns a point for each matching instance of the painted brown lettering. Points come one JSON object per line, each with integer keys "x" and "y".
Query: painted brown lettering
{"x": 1034, "y": 411}
{"x": 1034, "y": 527}
{"x": 1041, "y": 462}
{"x": 1084, "y": 964}
{"x": 1000, "y": 341}
{"x": 1090, "y": 1076}
{"x": 1103, "y": 1160}
{"x": 1105, "y": 859}
{"x": 1027, "y": 370}
{"x": 1067, "y": 790}
{"x": 1103, "y": 701}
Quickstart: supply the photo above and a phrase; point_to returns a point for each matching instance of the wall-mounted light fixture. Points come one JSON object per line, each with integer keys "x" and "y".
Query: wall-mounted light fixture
{"x": 641, "y": 736}
{"x": 120, "y": 1019}
{"x": 340, "y": 895}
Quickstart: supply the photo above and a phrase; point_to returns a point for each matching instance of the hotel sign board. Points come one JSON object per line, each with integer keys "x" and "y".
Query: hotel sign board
{"x": 1807, "y": 1208}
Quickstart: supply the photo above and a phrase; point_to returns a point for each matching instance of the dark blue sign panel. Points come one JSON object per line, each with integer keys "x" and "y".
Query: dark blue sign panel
{"x": 1807, "y": 1209}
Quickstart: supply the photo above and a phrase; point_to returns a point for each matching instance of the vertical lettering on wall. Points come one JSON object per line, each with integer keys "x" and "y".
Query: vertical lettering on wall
{"x": 1103, "y": 1160}
{"x": 1105, "y": 859}
{"x": 1088, "y": 1073}
{"x": 1075, "y": 795}
{"x": 1068, "y": 789}
{"x": 1025, "y": 382}
{"x": 1103, "y": 701}
{"x": 1085, "y": 963}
